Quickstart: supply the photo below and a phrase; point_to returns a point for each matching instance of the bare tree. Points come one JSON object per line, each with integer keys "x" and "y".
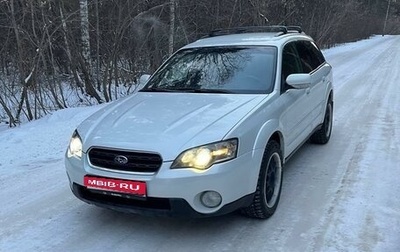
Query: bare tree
{"x": 172, "y": 14}
{"x": 100, "y": 48}
{"x": 25, "y": 82}
{"x": 86, "y": 62}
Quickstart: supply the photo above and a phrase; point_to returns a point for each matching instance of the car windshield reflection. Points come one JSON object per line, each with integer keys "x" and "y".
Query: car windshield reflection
{"x": 217, "y": 70}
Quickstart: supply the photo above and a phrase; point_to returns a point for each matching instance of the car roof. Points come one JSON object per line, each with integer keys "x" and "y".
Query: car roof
{"x": 248, "y": 39}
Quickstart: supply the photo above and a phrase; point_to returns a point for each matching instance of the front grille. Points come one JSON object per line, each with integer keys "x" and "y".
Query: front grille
{"x": 135, "y": 161}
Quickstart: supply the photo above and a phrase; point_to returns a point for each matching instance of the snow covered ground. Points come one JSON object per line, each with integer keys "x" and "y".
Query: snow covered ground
{"x": 343, "y": 196}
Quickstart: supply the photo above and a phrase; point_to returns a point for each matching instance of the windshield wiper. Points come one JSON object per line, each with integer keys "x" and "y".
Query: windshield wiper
{"x": 204, "y": 90}
{"x": 187, "y": 90}
{"x": 157, "y": 90}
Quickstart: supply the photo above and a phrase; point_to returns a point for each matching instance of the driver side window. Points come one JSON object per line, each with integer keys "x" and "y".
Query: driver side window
{"x": 290, "y": 64}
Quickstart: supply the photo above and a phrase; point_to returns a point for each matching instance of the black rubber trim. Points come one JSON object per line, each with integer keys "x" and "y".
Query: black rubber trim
{"x": 280, "y": 29}
{"x": 152, "y": 206}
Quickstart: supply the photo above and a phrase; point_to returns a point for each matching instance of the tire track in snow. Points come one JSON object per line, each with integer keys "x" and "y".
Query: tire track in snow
{"x": 362, "y": 118}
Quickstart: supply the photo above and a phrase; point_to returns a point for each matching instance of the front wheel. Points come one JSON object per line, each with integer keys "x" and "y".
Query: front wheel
{"x": 269, "y": 184}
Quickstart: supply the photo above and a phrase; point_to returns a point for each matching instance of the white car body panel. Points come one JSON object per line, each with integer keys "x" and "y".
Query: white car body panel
{"x": 166, "y": 124}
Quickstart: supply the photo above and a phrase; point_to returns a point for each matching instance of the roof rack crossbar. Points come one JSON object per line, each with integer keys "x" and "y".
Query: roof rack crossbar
{"x": 294, "y": 28}
{"x": 248, "y": 29}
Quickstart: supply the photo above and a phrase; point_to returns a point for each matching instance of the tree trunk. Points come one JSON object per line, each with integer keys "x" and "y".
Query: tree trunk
{"x": 86, "y": 63}
{"x": 20, "y": 63}
{"x": 97, "y": 45}
{"x": 386, "y": 18}
{"x": 85, "y": 36}
{"x": 8, "y": 112}
{"x": 68, "y": 50}
{"x": 171, "y": 26}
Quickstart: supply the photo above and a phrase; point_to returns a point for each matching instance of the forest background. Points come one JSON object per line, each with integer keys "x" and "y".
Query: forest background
{"x": 56, "y": 54}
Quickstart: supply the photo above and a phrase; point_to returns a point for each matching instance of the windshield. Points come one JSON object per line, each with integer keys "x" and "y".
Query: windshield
{"x": 217, "y": 70}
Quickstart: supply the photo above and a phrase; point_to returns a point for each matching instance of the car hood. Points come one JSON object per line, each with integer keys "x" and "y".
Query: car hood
{"x": 166, "y": 123}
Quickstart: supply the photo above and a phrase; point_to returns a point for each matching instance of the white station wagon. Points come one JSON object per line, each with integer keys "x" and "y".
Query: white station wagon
{"x": 210, "y": 131}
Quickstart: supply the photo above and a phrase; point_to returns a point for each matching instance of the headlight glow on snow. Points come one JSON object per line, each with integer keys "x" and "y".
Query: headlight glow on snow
{"x": 203, "y": 157}
{"x": 75, "y": 146}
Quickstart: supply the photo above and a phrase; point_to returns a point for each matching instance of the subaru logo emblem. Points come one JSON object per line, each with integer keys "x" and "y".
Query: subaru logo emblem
{"x": 121, "y": 159}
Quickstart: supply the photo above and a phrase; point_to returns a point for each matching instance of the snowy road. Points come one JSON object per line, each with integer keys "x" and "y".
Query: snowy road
{"x": 340, "y": 197}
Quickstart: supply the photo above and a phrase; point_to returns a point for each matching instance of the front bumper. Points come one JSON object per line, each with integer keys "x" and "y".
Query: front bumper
{"x": 174, "y": 192}
{"x": 152, "y": 206}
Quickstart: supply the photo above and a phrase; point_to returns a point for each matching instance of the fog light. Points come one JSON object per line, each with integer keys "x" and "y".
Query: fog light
{"x": 211, "y": 199}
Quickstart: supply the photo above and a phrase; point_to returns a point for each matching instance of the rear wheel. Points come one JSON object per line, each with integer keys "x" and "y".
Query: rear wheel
{"x": 323, "y": 135}
{"x": 269, "y": 184}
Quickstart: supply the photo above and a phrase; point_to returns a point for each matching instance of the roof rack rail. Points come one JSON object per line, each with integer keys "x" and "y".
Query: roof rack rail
{"x": 249, "y": 29}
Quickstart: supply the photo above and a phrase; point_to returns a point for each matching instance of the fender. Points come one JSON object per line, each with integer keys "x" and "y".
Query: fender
{"x": 267, "y": 130}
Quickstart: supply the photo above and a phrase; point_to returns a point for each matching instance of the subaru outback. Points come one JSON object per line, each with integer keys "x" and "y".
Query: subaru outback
{"x": 210, "y": 131}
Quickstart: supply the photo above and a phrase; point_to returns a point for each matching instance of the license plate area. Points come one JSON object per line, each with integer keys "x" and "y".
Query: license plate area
{"x": 130, "y": 187}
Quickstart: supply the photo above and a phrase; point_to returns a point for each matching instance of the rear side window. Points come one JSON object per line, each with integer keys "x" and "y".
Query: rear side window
{"x": 310, "y": 55}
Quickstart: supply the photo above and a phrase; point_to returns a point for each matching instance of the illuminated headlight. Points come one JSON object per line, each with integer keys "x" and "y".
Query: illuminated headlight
{"x": 203, "y": 157}
{"x": 75, "y": 146}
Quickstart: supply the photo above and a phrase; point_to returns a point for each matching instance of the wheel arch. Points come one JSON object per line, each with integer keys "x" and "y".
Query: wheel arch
{"x": 330, "y": 96}
{"x": 277, "y": 137}
{"x": 270, "y": 131}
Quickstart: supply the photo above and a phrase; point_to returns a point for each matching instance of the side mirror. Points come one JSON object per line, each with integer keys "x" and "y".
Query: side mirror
{"x": 143, "y": 80}
{"x": 299, "y": 81}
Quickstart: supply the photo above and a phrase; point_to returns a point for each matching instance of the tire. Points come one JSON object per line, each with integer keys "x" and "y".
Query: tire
{"x": 323, "y": 135}
{"x": 269, "y": 184}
